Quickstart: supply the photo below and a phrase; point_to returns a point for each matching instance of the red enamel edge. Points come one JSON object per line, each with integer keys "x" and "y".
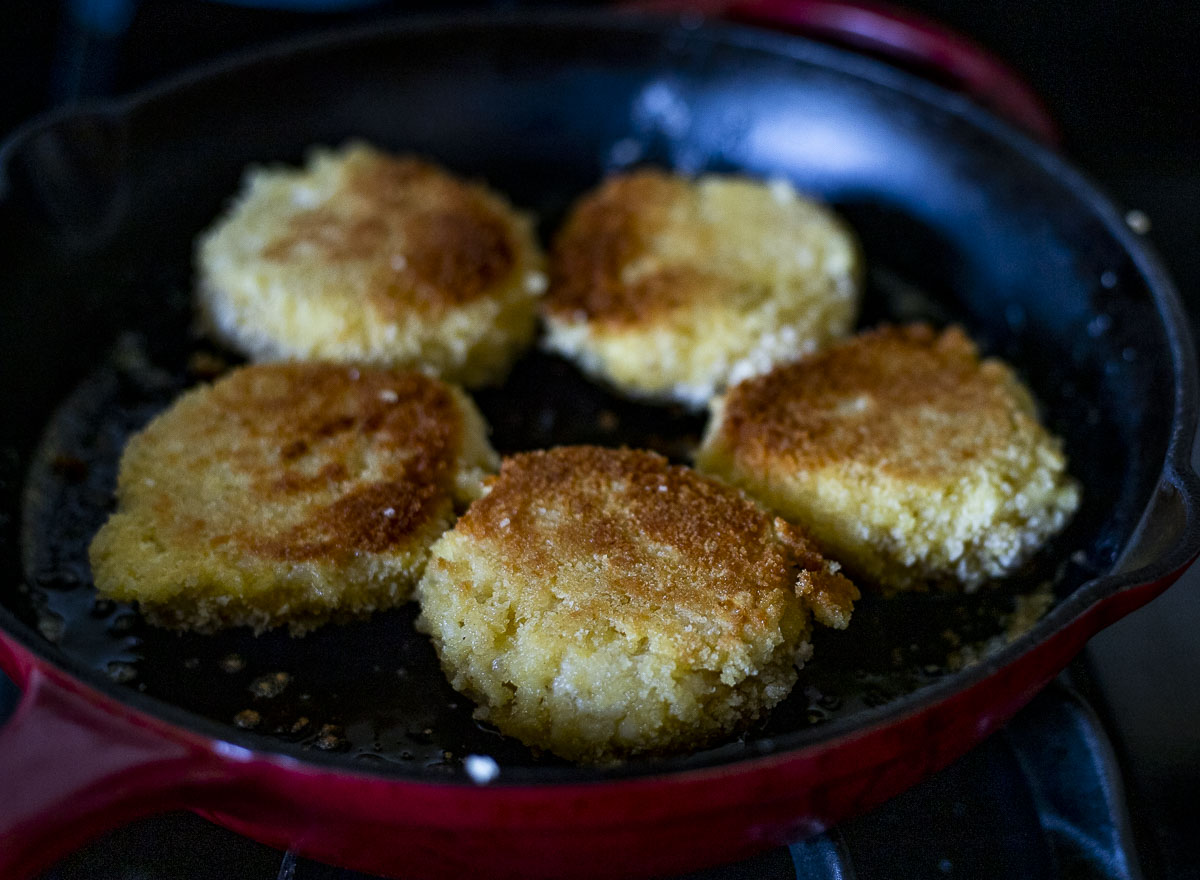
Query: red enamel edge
{"x": 79, "y": 763}
{"x": 893, "y": 33}
{"x": 663, "y": 825}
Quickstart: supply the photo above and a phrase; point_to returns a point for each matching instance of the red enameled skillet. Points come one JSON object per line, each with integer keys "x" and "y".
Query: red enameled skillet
{"x": 355, "y": 754}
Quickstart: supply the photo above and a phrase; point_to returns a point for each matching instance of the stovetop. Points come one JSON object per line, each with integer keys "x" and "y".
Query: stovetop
{"x": 1043, "y": 798}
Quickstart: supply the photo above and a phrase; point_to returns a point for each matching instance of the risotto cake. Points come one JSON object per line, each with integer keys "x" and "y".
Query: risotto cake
{"x": 907, "y": 457}
{"x": 670, "y": 289}
{"x": 289, "y": 494}
{"x": 369, "y": 258}
{"x": 602, "y": 603}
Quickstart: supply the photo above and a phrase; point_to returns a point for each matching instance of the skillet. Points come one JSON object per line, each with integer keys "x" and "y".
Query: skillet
{"x": 347, "y": 745}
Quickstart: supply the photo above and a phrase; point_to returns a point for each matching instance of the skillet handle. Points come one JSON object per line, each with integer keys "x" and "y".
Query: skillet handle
{"x": 897, "y": 35}
{"x": 74, "y": 767}
{"x": 1162, "y": 547}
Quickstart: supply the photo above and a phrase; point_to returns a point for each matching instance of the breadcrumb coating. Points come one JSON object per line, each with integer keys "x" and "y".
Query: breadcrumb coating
{"x": 600, "y": 603}
{"x": 908, "y": 458}
{"x": 671, "y": 289}
{"x": 374, "y": 259}
{"x": 289, "y": 494}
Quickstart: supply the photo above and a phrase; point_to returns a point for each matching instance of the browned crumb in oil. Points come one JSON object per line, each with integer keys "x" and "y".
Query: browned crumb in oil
{"x": 206, "y": 365}
{"x": 247, "y": 719}
{"x": 1028, "y": 609}
{"x": 270, "y": 685}
{"x": 330, "y": 738}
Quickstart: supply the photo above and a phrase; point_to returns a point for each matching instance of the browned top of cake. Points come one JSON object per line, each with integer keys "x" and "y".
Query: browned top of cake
{"x": 907, "y": 401}
{"x": 608, "y": 231}
{"x": 299, "y": 461}
{"x": 434, "y": 241}
{"x": 663, "y": 538}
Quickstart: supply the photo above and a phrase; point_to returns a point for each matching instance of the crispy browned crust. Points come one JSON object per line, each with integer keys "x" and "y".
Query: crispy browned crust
{"x": 602, "y": 603}
{"x": 290, "y": 493}
{"x": 300, "y": 428}
{"x": 609, "y": 230}
{"x": 906, "y": 401}
{"x": 676, "y": 545}
{"x": 458, "y": 239}
{"x": 296, "y": 462}
{"x": 829, "y": 594}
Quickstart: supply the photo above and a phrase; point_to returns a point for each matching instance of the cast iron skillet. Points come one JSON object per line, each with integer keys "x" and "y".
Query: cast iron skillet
{"x": 348, "y": 745}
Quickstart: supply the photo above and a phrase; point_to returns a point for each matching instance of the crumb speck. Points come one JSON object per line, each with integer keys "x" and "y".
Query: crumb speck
{"x": 330, "y": 738}
{"x": 247, "y": 719}
{"x": 205, "y": 365}
{"x": 270, "y": 685}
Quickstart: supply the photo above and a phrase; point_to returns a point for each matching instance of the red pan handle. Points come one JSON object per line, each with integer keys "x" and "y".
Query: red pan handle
{"x": 76, "y": 766}
{"x": 895, "y": 34}
{"x": 1159, "y": 543}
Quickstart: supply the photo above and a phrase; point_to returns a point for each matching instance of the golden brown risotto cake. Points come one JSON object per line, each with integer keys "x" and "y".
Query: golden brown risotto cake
{"x": 600, "y": 603}
{"x": 907, "y": 457}
{"x": 368, "y": 258}
{"x": 289, "y": 494}
{"x": 670, "y": 289}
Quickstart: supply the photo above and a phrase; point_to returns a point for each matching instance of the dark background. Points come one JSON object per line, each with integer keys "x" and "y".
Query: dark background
{"x": 1121, "y": 78}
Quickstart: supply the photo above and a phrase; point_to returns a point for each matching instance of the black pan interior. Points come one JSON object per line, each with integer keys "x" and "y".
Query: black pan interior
{"x": 960, "y": 220}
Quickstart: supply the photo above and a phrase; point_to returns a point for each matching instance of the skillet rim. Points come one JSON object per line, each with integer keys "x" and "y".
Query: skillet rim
{"x": 1176, "y": 470}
